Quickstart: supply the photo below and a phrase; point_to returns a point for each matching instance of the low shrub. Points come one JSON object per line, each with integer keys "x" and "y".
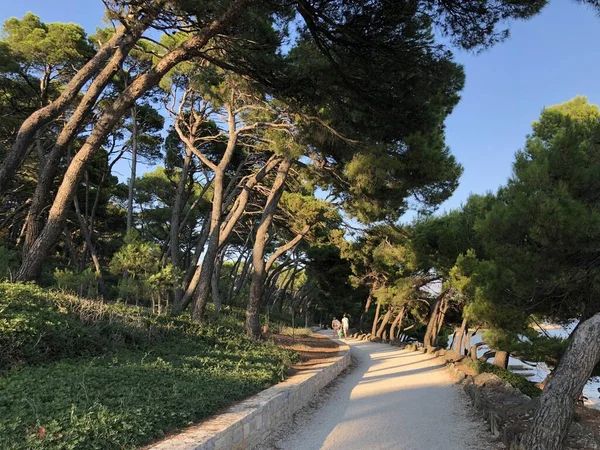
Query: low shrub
{"x": 517, "y": 381}
{"x": 84, "y": 284}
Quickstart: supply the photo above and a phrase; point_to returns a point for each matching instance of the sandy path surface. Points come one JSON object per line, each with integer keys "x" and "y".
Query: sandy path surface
{"x": 390, "y": 399}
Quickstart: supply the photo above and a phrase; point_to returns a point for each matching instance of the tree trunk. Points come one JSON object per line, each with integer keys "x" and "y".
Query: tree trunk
{"x": 365, "y": 310}
{"x": 553, "y": 416}
{"x": 384, "y": 322}
{"x": 397, "y": 323}
{"x": 216, "y": 297}
{"x": 44, "y": 185}
{"x": 178, "y": 208}
{"x": 43, "y": 116}
{"x": 208, "y": 263}
{"x": 192, "y": 275}
{"x": 134, "y": 147}
{"x": 501, "y": 359}
{"x": 461, "y": 335}
{"x": 91, "y": 248}
{"x": 245, "y": 272}
{"x": 32, "y": 263}
{"x": 260, "y": 274}
{"x": 241, "y": 201}
{"x": 430, "y": 338}
{"x": 376, "y": 319}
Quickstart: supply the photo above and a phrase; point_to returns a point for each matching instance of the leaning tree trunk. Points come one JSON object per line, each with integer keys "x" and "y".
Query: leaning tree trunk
{"x": 32, "y": 263}
{"x": 208, "y": 263}
{"x": 553, "y": 416}
{"x": 461, "y": 335}
{"x": 260, "y": 274}
{"x": 397, "y": 323}
{"x": 43, "y": 116}
{"x": 501, "y": 359}
{"x": 376, "y": 319}
{"x": 44, "y": 185}
{"x": 384, "y": 322}
{"x": 431, "y": 333}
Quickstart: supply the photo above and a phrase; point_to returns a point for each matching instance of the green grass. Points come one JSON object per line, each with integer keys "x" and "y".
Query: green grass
{"x": 514, "y": 379}
{"x": 82, "y": 375}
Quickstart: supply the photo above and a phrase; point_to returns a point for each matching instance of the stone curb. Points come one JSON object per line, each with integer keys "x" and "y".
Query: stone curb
{"x": 249, "y": 423}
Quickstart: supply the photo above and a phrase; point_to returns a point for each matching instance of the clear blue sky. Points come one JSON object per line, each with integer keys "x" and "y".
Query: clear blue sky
{"x": 547, "y": 60}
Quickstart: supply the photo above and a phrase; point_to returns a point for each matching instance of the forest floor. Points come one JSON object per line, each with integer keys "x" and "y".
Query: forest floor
{"x": 589, "y": 418}
{"x": 390, "y": 398}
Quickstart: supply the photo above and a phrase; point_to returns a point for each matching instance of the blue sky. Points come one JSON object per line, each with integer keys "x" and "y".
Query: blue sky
{"x": 547, "y": 60}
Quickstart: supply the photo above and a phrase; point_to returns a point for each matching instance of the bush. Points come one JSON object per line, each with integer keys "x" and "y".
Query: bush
{"x": 84, "y": 284}
{"x": 514, "y": 379}
{"x": 38, "y": 326}
{"x": 9, "y": 263}
{"x": 86, "y": 375}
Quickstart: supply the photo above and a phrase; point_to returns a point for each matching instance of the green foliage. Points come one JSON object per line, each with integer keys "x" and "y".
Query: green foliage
{"x": 9, "y": 263}
{"x": 544, "y": 230}
{"x": 541, "y": 348}
{"x": 84, "y": 284}
{"x": 90, "y": 375}
{"x": 515, "y": 380}
{"x": 40, "y": 44}
{"x": 38, "y": 326}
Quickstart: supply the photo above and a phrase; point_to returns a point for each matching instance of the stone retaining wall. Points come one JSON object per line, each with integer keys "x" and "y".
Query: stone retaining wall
{"x": 250, "y": 422}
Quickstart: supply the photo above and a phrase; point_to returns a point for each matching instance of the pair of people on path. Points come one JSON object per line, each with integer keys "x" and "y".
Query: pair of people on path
{"x": 340, "y": 329}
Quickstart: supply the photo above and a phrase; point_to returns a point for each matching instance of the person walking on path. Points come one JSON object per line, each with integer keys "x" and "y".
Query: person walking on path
{"x": 345, "y": 325}
{"x": 336, "y": 325}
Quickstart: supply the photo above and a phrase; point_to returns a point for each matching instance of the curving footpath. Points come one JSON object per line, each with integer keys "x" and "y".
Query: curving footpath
{"x": 392, "y": 399}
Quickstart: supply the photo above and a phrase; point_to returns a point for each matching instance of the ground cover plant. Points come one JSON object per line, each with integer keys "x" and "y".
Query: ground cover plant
{"x": 86, "y": 375}
{"x": 512, "y": 378}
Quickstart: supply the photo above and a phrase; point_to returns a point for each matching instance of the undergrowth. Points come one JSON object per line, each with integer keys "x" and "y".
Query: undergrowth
{"x": 514, "y": 379}
{"x": 77, "y": 374}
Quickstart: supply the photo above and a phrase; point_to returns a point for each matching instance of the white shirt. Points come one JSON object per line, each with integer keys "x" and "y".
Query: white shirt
{"x": 345, "y": 322}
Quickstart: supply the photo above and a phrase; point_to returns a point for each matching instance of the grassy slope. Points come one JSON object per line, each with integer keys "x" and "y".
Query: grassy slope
{"x": 79, "y": 374}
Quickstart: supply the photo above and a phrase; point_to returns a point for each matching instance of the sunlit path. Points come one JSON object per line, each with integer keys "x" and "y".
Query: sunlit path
{"x": 392, "y": 399}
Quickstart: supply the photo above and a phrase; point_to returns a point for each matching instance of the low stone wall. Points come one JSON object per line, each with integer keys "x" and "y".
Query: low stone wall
{"x": 250, "y": 422}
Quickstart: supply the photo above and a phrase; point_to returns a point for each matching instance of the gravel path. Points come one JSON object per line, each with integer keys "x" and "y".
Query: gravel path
{"x": 389, "y": 399}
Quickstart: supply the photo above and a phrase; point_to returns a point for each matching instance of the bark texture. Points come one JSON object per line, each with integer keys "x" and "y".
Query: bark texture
{"x": 397, "y": 323}
{"x": 43, "y": 188}
{"x": 376, "y": 319}
{"x": 553, "y": 416}
{"x": 260, "y": 274}
{"x": 436, "y": 320}
{"x": 461, "y": 337}
{"x": 501, "y": 359}
{"x": 384, "y": 322}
